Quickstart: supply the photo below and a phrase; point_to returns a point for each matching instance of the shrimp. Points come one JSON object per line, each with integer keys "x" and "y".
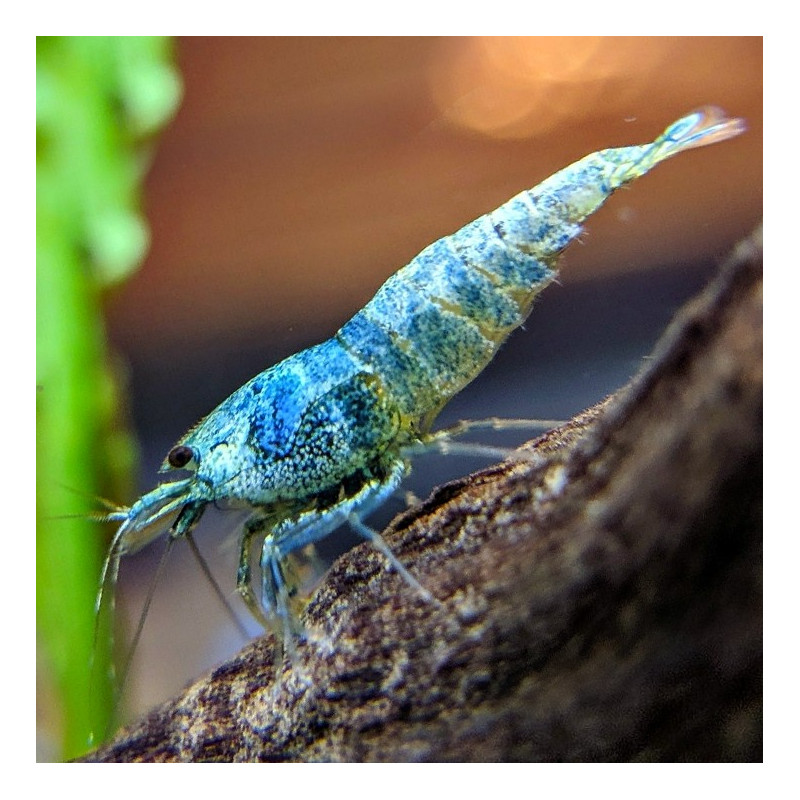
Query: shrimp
{"x": 324, "y": 437}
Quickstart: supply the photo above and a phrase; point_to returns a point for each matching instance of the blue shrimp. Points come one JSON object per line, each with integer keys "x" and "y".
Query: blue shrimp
{"x": 325, "y": 436}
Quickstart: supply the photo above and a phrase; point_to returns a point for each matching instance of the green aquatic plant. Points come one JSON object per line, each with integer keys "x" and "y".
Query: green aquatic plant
{"x": 99, "y": 100}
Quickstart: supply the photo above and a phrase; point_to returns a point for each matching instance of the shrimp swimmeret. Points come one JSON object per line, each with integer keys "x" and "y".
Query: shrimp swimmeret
{"x": 325, "y": 436}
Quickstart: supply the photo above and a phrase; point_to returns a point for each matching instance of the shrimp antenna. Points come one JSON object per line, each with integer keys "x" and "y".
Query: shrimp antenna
{"x": 200, "y": 558}
{"x": 151, "y": 590}
{"x": 108, "y": 578}
{"x": 110, "y": 574}
{"x": 109, "y": 505}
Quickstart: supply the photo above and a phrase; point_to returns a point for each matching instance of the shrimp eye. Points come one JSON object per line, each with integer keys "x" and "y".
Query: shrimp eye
{"x": 180, "y": 456}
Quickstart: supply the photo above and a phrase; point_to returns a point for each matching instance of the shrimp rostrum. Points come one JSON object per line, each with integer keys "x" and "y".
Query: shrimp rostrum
{"x": 325, "y": 436}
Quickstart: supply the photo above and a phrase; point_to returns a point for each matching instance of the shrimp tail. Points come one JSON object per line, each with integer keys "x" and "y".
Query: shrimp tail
{"x": 704, "y": 126}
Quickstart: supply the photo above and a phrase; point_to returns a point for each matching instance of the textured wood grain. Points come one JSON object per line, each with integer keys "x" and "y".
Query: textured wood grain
{"x": 600, "y": 600}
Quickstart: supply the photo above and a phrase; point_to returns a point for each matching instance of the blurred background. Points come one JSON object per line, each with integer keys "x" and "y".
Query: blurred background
{"x": 299, "y": 173}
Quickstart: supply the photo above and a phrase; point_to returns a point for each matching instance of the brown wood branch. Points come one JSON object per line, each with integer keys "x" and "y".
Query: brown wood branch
{"x": 600, "y": 600}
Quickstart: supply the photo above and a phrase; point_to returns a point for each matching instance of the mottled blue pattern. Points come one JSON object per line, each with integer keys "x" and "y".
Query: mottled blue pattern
{"x": 460, "y": 279}
{"x": 518, "y": 272}
{"x": 322, "y": 437}
{"x": 315, "y": 418}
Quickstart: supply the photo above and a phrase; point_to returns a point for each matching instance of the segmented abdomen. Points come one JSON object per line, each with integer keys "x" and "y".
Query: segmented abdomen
{"x": 435, "y": 324}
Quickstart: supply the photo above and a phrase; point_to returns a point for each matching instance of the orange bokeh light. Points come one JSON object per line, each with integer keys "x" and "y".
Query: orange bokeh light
{"x": 520, "y": 86}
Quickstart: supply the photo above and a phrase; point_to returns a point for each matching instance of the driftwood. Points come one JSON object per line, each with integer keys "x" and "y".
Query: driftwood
{"x": 600, "y": 600}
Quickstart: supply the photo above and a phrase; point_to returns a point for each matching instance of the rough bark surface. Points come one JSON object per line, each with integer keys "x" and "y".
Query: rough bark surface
{"x": 600, "y": 600}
